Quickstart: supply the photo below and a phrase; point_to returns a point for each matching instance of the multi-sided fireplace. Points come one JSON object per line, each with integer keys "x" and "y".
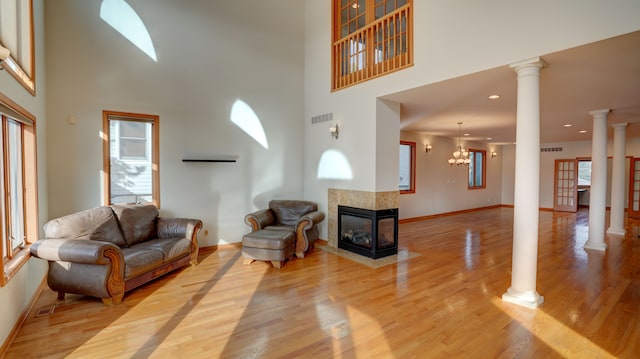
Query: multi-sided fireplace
{"x": 371, "y": 233}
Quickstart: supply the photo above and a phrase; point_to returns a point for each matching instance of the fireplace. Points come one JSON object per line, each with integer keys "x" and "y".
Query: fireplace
{"x": 371, "y": 233}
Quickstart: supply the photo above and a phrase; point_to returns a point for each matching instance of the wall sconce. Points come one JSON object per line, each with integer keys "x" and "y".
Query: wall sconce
{"x": 427, "y": 148}
{"x": 333, "y": 131}
{"x": 494, "y": 154}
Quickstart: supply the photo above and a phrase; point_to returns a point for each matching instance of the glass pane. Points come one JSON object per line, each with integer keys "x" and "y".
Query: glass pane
{"x": 379, "y": 12}
{"x": 405, "y": 167}
{"x": 15, "y": 184}
{"x": 361, "y": 21}
{"x": 356, "y": 230}
{"x": 389, "y": 7}
{"x": 2, "y": 208}
{"x": 478, "y": 169}
{"x": 132, "y": 129}
{"x": 362, "y": 6}
{"x": 130, "y": 162}
{"x": 386, "y": 230}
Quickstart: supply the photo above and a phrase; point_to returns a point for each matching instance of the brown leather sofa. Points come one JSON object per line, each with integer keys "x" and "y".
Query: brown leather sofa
{"x": 106, "y": 251}
{"x": 300, "y": 217}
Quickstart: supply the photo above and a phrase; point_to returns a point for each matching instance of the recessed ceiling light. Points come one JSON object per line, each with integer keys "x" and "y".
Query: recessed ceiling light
{"x": 567, "y": 125}
{"x": 489, "y": 138}
{"x": 582, "y": 131}
{"x": 466, "y": 134}
{"x": 494, "y": 97}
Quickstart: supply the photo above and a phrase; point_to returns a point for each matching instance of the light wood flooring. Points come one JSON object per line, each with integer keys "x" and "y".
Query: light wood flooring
{"x": 445, "y": 303}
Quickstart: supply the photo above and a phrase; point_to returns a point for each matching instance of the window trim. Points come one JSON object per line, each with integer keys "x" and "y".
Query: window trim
{"x": 155, "y": 152}
{"x": 412, "y": 169}
{"x": 12, "y": 263}
{"x": 484, "y": 169}
{"x": 16, "y": 69}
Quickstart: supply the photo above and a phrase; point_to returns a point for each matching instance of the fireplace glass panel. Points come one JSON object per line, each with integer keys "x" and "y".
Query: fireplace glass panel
{"x": 386, "y": 232}
{"x": 357, "y": 230}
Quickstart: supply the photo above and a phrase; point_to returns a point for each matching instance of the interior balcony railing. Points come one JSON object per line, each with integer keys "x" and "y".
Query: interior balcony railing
{"x": 382, "y": 47}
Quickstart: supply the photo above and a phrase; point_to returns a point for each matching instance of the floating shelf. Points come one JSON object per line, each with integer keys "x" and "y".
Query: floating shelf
{"x": 205, "y": 160}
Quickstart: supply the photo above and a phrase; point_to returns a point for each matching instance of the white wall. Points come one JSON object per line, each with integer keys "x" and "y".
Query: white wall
{"x": 17, "y": 294}
{"x": 570, "y": 150}
{"x": 451, "y": 39}
{"x": 209, "y": 54}
{"x": 441, "y": 188}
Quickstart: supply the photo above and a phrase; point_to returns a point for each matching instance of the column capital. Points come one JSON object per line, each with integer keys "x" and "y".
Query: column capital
{"x": 600, "y": 113}
{"x": 619, "y": 125}
{"x": 532, "y": 62}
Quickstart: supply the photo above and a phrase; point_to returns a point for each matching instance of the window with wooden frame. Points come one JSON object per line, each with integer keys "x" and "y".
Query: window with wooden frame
{"x": 18, "y": 180}
{"x": 477, "y": 169}
{"x": 131, "y": 158}
{"x": 407, "y": 167}
{"x": 16, "y": 34}
{"x": 371, "y": 38}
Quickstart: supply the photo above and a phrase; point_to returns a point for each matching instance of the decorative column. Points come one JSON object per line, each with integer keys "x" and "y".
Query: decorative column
{"x": 616, "y": 219}
{"x": 526, "y": 202}
{"x": 598, "y": 189}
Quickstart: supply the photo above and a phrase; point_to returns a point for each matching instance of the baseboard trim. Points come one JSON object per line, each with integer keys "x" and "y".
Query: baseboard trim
{"x": 446, "y": 214}
{"x": 23, "y": 317}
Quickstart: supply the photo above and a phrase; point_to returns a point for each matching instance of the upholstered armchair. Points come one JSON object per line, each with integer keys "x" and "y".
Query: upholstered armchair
{"x": 300, "y": 217}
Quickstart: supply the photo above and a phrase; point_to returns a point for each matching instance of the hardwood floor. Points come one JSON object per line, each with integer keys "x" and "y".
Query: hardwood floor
{"x": 444, "y": 303}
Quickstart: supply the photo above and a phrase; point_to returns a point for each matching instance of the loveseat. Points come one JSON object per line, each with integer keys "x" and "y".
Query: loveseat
{"x": 106, "y": 251}
{"x": 297, "y": 216}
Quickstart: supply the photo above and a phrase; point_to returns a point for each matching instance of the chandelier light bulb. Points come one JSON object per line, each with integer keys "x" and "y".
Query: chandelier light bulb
{"x": 460, "y": 155}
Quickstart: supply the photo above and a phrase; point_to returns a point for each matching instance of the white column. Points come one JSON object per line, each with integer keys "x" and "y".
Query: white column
{"x": 616, "y": 219}
{"x": 526, "y": 202}
{"x": 598, "y": 189}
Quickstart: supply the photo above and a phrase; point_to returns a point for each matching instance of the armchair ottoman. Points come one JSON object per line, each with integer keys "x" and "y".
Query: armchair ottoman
{"x": 268, "y": 245}
{"x": 298, "y": 217}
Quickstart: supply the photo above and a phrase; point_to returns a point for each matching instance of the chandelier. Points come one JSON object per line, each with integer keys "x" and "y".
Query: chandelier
{"x": 460, "y": 155}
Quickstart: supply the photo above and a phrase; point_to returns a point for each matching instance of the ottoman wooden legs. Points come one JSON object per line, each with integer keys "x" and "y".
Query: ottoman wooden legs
{"x": 271, "y": 245}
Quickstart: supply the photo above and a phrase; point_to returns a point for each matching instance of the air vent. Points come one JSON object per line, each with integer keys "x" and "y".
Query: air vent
{"x": 322, "y": 118}
{"x": 551, "y": 149}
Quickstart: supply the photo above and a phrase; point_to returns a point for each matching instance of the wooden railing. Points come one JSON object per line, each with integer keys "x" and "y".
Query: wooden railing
{"x": 384, "y": 46}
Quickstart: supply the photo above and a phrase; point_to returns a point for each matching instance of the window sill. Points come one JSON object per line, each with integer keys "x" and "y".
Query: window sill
{"x": 12, "y": 266}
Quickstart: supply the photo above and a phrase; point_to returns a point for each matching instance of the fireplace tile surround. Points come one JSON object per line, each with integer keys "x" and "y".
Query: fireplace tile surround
{"x": 358, "y": 199}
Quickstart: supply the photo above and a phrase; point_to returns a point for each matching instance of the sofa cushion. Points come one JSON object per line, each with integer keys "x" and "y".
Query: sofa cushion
{"x": 98, "y": 224}
{"x": 171, "y": 248}
{"x": 138, "y": 261}
{"x": 138, "y": 223}
{"x": 288, "y": 212}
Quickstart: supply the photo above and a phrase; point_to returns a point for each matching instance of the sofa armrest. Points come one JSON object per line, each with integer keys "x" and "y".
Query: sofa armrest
{"x": 307, "y": 232}
{"x": 178, "y": 227}
{"x": 310, "y": 219}
{"x": 260, "y": 219}
{"x": 77, "y": 251}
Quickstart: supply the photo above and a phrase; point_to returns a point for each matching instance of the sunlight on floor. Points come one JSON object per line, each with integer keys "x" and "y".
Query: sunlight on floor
{"x": 336, "y": 323}
{"x": 552, "y": 332}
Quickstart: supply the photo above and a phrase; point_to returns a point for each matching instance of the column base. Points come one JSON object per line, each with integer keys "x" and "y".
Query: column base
{"x": 595, "y": 246}
{"x": 616, "y": 231}
{"x": 527, "y": 300}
